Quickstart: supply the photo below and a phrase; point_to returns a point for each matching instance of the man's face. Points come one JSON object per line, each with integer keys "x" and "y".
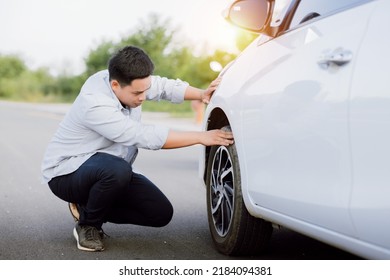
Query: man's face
{"x": 134, "y": 94}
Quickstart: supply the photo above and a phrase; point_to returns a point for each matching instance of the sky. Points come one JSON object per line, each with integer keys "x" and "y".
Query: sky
{"x": 59, "y": 34}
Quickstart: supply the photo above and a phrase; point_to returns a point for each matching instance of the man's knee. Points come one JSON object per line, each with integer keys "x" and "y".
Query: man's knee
{"x": 163, "y": 215}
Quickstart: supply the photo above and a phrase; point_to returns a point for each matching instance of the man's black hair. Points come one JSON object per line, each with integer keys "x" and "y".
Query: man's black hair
{"x": 128, "y": 64}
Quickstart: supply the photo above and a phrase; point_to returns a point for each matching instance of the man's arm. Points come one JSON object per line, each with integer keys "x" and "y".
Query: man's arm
{"x": 179, "y": 139}
{"x": 203, "y": 95}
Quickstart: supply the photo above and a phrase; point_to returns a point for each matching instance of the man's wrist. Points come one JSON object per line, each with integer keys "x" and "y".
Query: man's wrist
{"x": 201, "y": 95}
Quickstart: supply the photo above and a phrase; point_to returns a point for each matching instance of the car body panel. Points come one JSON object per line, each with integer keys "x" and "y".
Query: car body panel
{"x": 311, "y": 136}
{"x": 295, "y": 123}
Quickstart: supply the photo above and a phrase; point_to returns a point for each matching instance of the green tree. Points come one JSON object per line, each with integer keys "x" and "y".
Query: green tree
{"x": 97, "y": 58}
{"x": 69, "y": 87}
{"x": 11, "y": 66}
{"x": 155, "y": 36}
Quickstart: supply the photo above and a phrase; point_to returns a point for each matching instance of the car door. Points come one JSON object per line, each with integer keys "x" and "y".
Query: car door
{"x": 370, "y": 134}
{"x": 295, "y": 117}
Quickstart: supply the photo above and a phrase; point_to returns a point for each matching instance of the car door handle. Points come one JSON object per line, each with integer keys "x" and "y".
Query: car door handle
{"x": 338, "y": 57}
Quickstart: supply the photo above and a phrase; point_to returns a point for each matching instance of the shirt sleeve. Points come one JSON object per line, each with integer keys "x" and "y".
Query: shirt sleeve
{"x": 167, "y": 89}
{"x": 106, "y": 119}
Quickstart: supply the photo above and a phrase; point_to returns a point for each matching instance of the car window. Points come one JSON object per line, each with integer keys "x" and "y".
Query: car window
{"x": 309, "y": 9}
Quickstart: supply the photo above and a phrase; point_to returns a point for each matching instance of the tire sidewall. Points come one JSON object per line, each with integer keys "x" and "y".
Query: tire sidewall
{"x": 226, "y": 244}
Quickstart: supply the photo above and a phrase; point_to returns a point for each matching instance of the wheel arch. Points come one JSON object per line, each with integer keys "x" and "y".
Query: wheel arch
{"x": 216, "y": 119}
{"x": 246, "y": 234}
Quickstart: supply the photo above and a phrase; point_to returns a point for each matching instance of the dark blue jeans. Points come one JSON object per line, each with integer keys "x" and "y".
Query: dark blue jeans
{"x": 107, "y": 190}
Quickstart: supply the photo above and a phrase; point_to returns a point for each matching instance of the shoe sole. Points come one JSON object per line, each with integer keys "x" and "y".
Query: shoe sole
{"x": 81, "y": 247}
{"x": 74, "y": 211}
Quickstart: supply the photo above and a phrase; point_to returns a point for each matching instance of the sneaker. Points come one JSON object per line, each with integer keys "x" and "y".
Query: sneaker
{"x": 74, "y": 211}
{"x": 88, "y": 238}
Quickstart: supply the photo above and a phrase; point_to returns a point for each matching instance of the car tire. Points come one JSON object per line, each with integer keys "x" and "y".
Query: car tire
{"x": 234, "y": 231}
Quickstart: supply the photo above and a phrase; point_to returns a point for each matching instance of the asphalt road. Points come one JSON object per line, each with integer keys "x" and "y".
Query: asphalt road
{"x": 35, "y": 225}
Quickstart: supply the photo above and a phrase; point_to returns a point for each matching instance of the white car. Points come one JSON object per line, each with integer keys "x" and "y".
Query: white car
{"x": 309, "y": 106}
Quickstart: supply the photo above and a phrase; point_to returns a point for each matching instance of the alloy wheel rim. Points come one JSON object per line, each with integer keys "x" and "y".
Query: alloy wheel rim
{"x": 222, "y": 191}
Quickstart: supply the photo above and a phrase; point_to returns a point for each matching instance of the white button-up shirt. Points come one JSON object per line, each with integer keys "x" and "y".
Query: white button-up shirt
{"x": 97, "y": 122}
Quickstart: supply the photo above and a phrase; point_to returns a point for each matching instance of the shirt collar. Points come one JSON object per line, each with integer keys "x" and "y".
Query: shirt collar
{"x": 113, "y": 95}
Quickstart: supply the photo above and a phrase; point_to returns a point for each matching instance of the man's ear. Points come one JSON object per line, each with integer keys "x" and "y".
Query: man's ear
{"x": 114, "y": 85}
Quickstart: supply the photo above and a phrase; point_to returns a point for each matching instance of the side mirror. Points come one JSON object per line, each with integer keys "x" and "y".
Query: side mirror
{"x": 252, "y": 15}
